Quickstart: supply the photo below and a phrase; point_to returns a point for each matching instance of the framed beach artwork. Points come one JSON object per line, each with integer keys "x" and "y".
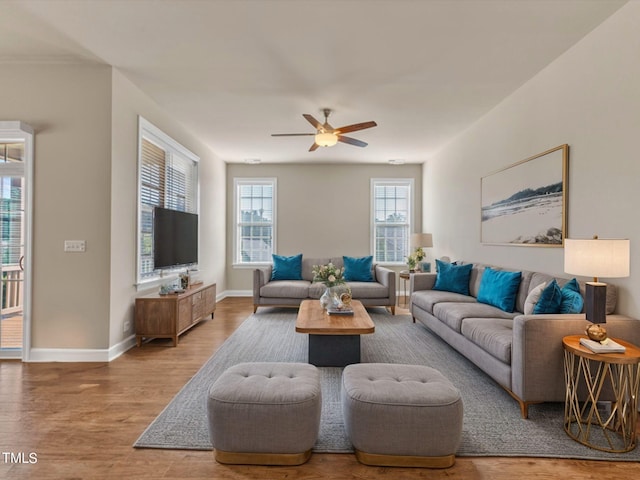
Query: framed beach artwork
{"x": 525, "y": 203}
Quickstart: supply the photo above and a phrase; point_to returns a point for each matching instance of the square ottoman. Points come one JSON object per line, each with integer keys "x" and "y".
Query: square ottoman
{"x": 401, "y": 415}
{"x": 265, "y": 413}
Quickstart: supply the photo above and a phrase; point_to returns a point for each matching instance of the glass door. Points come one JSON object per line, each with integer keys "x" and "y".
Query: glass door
{"x": 12, "y": 249}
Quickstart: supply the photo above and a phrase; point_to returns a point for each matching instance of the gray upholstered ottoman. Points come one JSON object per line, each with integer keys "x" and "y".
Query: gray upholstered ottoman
{"x": 401, "y": 415}
{"x": 265, "y": 413}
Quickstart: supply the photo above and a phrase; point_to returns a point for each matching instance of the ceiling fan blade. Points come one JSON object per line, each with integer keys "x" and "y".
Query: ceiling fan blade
{"x": 291, "y": 134}
{"x": 352, "y": 141}
{"x": 314, "y": 147}
{"x": 312, "y": 121}
{"x": 355, "y": 127}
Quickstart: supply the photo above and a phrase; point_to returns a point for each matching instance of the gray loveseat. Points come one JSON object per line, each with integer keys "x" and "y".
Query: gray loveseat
{"x": 522, "y": 353}
{"x": 380, "y": 292}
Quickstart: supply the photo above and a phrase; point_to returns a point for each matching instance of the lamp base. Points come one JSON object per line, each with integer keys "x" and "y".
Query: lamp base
{"x": 595, "y": 302}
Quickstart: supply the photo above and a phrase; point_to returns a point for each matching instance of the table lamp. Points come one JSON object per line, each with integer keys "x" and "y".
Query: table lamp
{"x": 422, "y": 240}
{"x": 606, "y": 257}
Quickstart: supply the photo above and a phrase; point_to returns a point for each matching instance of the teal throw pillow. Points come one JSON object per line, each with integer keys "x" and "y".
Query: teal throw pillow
{"x": 550, "y": 299}
{"x": 358, "y": 269}
{"x": 453, "y": 278}
{"x": 572, "y": 301}
{"x": 287, "y": 268}
{"x": 499, "y": 288}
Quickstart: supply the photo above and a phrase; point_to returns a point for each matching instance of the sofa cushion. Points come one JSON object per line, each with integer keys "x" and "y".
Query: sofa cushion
{"x": 426, "y": 299}
{"x": 453, "y": 278}
{"x": 550, "y": 299}
{"x": 493, "y": 335}
{"x": 532, "y": 298}
{"x": 499, "y": 288}
{"x": 287, "y": 268}
{"x": 452, "y": 314}
{"x": 286, "y": 289}
{"x": 358, "y": 269}
{"x": 368, "y": 290}
{"x": 475, "y": 279}
{"x": 572, "y": 301}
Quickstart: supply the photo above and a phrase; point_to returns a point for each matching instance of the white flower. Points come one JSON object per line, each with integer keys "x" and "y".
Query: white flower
{"x": 332, "y": 278}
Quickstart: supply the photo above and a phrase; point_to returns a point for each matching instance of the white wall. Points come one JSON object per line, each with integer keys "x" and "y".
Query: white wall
{"x": 323, "y": 209}
{"x": 588, "y": 98}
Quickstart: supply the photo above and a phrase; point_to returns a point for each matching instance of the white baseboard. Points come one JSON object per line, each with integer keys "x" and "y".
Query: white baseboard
{"x": 41, "y": 355}
{"x": 68, "y": 355}
{"x": 123, "y": 346}
{"x": 237, "y": 293}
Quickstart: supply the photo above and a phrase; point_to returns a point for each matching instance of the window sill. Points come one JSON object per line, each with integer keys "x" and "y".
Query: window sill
{"x": 250, "y": 266}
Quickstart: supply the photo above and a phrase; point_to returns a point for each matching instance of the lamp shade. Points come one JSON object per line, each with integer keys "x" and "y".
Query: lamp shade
{"x": 599, "y": 257}
{"x": 326, "y": 139}
{"x": 421, "y": 240}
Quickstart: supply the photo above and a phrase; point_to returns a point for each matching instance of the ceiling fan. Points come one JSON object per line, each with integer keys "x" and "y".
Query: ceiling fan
{"x": 326, "y": 135}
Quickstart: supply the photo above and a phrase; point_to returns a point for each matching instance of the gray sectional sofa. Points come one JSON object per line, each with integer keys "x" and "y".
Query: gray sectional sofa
{"x": 267, "y": 292}
{"x": 522, "y": 353}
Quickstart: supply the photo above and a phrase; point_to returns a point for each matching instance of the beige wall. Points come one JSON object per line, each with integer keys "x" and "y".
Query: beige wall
{"x": 69, "y": 107}
{"x": 587, "y": 98}
{"x": 128, "y": 103}
{"x": 85, "y": 170}
{"x": 323, "y": 209}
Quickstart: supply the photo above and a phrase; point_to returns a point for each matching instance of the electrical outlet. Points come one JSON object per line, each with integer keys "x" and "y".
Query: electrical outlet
{"x": 75, "y": 246}
{"x": 127, "y": 326}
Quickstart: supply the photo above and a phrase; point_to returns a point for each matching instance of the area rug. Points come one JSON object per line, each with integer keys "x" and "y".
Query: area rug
{"x": 492, "y": 423}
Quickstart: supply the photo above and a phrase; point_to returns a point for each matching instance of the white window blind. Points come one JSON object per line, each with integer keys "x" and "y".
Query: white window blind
{"x": 392, "y": 219}
{"x": 168, "y": 177}
{"x": 255, "y": 203}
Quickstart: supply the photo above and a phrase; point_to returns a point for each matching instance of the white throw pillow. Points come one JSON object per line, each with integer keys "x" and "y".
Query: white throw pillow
{"x": 532, "y": 298}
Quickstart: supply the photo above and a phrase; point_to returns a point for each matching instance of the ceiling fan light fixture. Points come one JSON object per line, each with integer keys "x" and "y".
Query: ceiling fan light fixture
{"x": 326, "y": 139}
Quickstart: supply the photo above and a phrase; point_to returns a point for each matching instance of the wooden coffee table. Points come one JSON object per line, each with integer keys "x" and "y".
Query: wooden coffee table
{"x": 334, "y": 340}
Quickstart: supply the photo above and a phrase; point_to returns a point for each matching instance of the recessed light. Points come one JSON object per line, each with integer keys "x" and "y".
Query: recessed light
{"x": 252, "y": 161}
{"x": 396, "y": 161}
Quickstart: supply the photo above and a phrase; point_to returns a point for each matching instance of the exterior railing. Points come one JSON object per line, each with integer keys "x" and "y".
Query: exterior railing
{"x": 12, "y": 289}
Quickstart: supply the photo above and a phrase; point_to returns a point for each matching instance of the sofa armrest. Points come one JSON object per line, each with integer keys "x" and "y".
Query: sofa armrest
{"x": 421, "y": 281}
{"x": 261, "y": 277}
{"x": 537, "y": 354}
{"x": 387, "y": 277}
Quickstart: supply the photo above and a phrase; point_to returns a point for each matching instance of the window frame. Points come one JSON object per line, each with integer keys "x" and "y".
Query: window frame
{"x": 405, "y": 182}
{"x": 149, "y": 132}
{"x": 237, "y": 182}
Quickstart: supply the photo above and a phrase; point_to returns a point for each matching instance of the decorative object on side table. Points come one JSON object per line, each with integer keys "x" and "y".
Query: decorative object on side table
{"x": 596, "y": 332}
{"x": 596, "y": 257}
{"x": 333, "y": 279}
{"x": 419, "y": 241}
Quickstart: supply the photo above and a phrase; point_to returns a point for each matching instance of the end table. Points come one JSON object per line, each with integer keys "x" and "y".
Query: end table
{"x": 404, "y": 275}
{"x": 590, "y": 373}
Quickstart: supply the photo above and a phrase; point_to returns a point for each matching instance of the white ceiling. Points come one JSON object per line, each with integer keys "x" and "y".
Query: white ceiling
{"x": 235, "y": 71}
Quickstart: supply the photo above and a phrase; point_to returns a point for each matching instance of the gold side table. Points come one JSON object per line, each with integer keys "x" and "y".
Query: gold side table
{"x": 590, "y": 374}
{"x": 405, "y": 275}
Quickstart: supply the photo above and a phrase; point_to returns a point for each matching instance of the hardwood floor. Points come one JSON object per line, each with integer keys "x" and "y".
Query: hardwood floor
{"x": 80, "y": 421}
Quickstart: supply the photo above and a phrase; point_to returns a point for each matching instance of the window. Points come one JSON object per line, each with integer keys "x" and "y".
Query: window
{"x": 167, "y": 177}
{"x": 255, "y": 207}
{"x": 392, "y": 207}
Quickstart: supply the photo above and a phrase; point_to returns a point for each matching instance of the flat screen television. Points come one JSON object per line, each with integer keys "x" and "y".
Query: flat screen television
{"x": 175, "y": 238}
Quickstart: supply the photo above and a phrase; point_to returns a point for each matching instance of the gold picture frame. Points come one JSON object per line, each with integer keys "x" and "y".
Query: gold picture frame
{"x": 525, "y": 204}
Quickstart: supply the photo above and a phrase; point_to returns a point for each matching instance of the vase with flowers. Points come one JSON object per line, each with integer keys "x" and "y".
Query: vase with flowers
{"x": 415, "y": 258}
{"x": 333, "y": 279}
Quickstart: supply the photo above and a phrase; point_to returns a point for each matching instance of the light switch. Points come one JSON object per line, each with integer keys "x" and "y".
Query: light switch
{"x": 75, "y": 246}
